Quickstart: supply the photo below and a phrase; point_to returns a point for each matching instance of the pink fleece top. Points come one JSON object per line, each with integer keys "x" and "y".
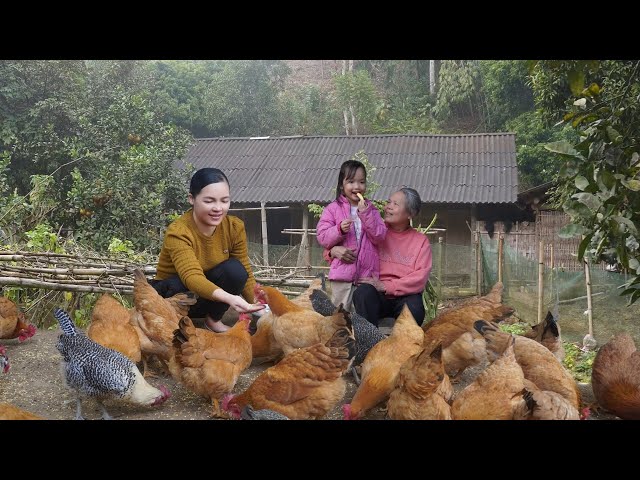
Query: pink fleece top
{"x": 405, "y": 262}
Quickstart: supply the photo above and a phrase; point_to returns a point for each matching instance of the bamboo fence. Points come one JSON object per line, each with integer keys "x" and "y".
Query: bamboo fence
{"x": 93, "y": 274}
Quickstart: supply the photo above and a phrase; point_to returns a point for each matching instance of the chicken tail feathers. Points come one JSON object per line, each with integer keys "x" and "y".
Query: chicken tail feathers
{"x": 65, "y": 322}
{"x": 182, "y": 333}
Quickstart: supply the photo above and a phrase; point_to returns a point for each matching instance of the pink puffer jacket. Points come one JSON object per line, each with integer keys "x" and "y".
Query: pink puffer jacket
{"x": 329, "y": 235}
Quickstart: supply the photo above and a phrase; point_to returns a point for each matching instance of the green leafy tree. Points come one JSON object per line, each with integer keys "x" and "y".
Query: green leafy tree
{"x": 599, "y": 181}
{"x": 507, "y": 92}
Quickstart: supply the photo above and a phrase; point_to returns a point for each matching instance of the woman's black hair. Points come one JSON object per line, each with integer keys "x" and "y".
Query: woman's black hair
{"x": 348, "y": 170}
{"x": 204, "y": 177}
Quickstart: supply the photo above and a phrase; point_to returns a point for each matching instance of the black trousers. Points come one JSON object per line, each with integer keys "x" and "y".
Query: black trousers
{"x": 229, "y": 275}
{"x": 373, "y": 305}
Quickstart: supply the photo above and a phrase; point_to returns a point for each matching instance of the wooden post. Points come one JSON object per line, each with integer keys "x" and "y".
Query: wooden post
{"x": 305, "y": 251}
{"x": 587, "y": 275}
{"x": 517, "y": 251}
{"x": 552, "y": 265}
{"x": 500, "y": 253}
{"x": 540, "y": 279}
{"x": 440, "y": 256}
{"x": 265, "y": 242}
{"x": 478, "y": 264}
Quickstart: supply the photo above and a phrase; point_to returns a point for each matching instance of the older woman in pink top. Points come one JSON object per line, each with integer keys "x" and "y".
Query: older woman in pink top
{"x": 405, "y": 264}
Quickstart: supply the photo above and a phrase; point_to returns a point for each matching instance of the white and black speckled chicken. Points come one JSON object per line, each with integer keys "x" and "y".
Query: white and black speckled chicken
{"x": 101, "y": 373}
{"x": 366, "y": 333}
{"x": 4, "y": 360}
{"x": 248, "y": 413}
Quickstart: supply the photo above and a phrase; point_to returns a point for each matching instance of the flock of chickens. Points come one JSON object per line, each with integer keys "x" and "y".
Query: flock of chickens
{"x": 313, "y": 345}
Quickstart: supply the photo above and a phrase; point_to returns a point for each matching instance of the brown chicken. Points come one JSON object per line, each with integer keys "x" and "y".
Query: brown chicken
{"x": 382, "y": 364}
{"x": 615, "y": 377}
{"x": 544, "y": 405}
{"x": 548, "y": 334}
{"x": 462, "y": 346}
{"x": 10, "y": 412}
{"x": 13, "y": 323}
{"x": 155, "y": 318}
{"x": 263, "y": 342}
{"x": 110, "y": 327}
{"x": 495, "y": 393}
{"x": 296, "y": 327}
{"x": 422, "y": 390}
{"x": 538, "y": 364}
{"x": 488, "y": 307}
{"x": 210, "y": 363}
{"x": 306, "y": 384}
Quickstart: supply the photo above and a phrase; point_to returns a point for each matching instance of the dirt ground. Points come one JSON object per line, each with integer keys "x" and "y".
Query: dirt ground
{"x": 35, "y": 383}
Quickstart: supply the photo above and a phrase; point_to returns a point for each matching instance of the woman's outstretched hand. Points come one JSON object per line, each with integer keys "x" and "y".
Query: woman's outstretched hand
{"x": 236, "y": 302}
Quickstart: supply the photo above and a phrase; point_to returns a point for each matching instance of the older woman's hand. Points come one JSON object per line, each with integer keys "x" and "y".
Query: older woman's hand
{"x": 343, "y": 253}
{"x": 377, "y": 284}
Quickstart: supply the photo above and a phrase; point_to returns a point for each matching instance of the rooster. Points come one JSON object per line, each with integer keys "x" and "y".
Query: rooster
{"x": 101, "y": 373}
{"x": 11, "y": 412}
{"x": 13, "y": 323}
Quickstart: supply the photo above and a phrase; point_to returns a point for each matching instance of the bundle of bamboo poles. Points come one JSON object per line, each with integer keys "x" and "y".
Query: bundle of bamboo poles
{"x": 94, "y": 274}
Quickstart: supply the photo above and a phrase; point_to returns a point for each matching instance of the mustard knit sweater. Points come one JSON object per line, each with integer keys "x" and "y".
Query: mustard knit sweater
{"x": 188, "y": 253}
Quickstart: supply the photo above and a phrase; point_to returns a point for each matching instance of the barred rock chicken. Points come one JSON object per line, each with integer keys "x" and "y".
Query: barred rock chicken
{"x": 495, "y": 393}
{"x": 101, "y": 373}
{"x": 423, "y": 389}
{"x": 366, "y": 333}
{"x": 538, "y": 364}
{"x": 210, "y": 363}
{"x": 382, "y": 364}
{"x": 4, "y": 360}
{"x": 306, "y": 384}
{"x": 110, "y": 328}
{"x": 248, "y": 413}
{"x": 13, "y": 323}
{"x": 294, "y": 326}
{"x": 548, "y": 334}
{"x": 616, "y": 377}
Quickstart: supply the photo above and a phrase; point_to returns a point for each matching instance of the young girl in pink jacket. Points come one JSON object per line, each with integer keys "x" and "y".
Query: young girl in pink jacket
{"x": 354, "y": 222}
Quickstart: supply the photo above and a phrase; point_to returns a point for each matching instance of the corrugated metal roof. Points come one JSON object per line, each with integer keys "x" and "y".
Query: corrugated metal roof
{"x": 477, "y": 168}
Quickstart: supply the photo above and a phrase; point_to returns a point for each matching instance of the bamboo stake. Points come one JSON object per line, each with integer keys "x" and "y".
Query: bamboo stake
{"x": 540, "y": 279}
{"x": 478, "y": 264}
{"x": 500, "y": 253}
{"x": 265, "y": 243}
{"x": 440, "y": 278}
{"x": 587, "y": 275}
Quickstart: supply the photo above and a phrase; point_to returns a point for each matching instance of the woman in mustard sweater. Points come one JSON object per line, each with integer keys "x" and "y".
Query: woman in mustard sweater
{"x": 205, "y": 251}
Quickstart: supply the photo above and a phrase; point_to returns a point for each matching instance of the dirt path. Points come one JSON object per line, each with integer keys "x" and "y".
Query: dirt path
{"x": 35, "y": 383}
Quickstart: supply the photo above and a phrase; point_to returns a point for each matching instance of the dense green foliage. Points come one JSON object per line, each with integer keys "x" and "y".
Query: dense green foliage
{"x": 598, "y": 184}
{"x": 90, "y": 146}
